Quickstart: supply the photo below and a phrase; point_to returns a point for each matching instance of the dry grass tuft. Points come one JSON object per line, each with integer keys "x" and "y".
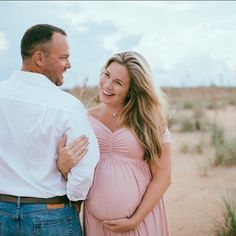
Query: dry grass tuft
{"x": 227, "y": 226}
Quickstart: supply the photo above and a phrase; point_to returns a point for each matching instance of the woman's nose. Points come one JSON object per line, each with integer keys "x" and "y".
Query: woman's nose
{"x": 108, "y": 84}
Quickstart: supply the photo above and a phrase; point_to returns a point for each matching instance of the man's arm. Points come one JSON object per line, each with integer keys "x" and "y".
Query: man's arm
{"x": 81, "y": 176}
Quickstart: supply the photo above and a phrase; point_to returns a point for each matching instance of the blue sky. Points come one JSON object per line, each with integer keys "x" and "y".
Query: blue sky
{"x": 187, "y": 43}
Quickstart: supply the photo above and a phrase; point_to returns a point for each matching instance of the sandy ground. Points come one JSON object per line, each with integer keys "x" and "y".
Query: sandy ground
{"x": 194, "y": 200}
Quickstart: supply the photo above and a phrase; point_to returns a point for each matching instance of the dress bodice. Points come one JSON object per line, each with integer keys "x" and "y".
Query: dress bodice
{"x": 121, "y": 143}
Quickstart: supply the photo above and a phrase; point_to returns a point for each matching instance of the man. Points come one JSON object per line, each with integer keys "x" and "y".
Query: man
{"x": 35, "y": 114}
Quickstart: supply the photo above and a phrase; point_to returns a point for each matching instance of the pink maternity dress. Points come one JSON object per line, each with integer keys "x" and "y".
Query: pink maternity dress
{"x": 120, "y": 181}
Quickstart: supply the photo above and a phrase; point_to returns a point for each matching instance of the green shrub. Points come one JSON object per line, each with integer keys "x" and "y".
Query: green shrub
{"x": 187, "y": 125}
{"x": 188, "y": 105}
{"x": 225, "y": 149}
{"x": 217, "y": 136}
{"x": 227, "y": 227}
{"x": 226, "y": 154}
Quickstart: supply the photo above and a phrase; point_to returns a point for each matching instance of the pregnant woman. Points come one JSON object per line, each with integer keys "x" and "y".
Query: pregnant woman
{"x": 134, "y": 171}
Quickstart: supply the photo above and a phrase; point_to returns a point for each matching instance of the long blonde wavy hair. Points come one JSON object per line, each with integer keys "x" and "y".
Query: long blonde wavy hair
{"x": 145, "y": 107}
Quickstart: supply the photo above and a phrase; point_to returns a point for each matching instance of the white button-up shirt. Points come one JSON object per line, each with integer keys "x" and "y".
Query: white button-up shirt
{"x": 34, "y": 114}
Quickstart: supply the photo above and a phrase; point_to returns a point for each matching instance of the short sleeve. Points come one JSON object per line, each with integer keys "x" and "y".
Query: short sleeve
{"x": 166, "y": 136}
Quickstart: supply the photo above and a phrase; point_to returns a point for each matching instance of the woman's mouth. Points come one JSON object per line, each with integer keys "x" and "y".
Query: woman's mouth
{"x": 107, "y": 93}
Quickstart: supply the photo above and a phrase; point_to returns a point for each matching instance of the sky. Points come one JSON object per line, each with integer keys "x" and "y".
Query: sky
{"x": 187, "y": 43}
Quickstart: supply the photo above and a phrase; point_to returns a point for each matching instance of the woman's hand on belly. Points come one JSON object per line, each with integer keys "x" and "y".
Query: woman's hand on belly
{"x": 120, "y": 225}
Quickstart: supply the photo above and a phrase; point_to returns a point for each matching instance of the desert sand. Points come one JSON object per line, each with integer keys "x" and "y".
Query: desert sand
{"x": 194, "y": 198}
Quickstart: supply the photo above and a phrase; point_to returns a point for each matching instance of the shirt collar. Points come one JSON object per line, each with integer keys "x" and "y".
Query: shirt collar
{"x": 34, "y": 78}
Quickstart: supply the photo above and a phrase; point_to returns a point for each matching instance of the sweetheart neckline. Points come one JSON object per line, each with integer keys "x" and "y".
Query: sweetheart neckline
{"x": 112, "y": 132}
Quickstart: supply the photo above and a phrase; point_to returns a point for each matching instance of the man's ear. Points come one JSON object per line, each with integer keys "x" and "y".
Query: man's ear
{"x": 39, "y": 58}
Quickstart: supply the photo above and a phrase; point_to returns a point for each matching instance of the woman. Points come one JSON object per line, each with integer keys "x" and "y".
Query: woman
{"x": 134, "y": 170}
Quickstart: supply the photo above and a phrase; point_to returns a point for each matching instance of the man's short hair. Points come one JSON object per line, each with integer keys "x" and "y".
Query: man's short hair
{"x": 37, "y": 35}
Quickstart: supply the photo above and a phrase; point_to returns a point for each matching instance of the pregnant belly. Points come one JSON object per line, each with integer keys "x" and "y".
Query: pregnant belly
{"x": 116, "y": 191}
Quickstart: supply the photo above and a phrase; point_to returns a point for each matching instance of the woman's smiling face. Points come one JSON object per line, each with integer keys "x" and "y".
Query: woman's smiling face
{"x": 114, "y": 84}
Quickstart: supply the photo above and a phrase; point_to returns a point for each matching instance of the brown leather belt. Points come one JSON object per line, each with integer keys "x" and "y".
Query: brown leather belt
{"x": 33, "y": 200}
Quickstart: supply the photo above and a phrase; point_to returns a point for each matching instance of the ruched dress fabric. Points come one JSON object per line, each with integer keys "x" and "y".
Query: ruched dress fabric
{"x": 120, "y": 181}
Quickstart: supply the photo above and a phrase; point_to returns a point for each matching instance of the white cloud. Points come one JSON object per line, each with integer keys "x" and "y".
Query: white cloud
{"x": 110, "y": 42}
{"x": 62, "y": 4}
{"x": 167, "y": 33}
{"x": 174, "y": 6}
{"x": 76, "y": 20}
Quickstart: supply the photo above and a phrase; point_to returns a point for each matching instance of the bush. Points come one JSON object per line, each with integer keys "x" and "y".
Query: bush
{"x": 217, "y": 136}
{"x": 225, "y": 150}
{"x": 226, "y": 154}
{"x": 227, "y": 227}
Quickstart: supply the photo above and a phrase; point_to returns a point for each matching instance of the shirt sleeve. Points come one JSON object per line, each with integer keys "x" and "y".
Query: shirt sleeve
{"x": 166, "y": 136}
{"x": 81, "y": 176}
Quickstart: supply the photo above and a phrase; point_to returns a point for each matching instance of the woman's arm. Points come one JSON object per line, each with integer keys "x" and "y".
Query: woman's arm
{"x": 69, "y": 155}
{"x": 161, "y": 178}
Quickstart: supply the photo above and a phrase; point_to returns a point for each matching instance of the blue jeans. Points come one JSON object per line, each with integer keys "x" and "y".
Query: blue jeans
{"x": 37, "y": 219}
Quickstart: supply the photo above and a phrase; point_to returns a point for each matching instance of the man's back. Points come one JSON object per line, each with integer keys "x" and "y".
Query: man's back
{"x": 34, "y": 197}
{"x": 34, "y": 116}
